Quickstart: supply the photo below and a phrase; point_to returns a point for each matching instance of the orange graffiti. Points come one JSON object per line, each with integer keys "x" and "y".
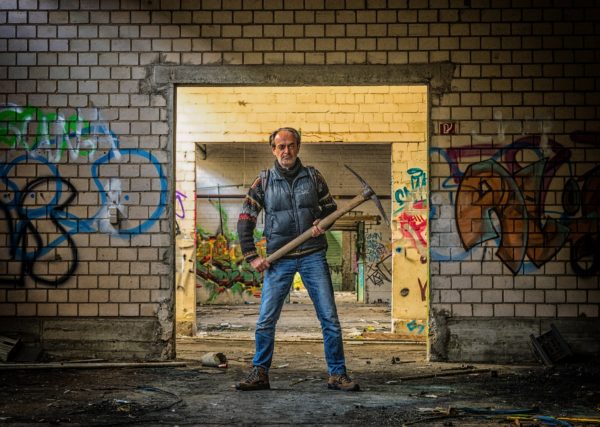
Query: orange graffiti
{"x": 487, "y": 188}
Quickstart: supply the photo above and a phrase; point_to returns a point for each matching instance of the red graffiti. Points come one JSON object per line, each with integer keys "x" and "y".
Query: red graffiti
{"x": 414, "y": 228}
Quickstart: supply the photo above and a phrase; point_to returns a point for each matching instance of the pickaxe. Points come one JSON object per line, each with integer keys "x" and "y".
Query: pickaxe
{"x": 366, "y": 194}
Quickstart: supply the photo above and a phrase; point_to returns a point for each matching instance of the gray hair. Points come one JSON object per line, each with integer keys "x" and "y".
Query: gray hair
{"x": 293, "y": 131}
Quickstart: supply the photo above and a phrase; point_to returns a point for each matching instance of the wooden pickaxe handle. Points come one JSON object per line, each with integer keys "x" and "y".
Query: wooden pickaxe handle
{"x": 325, "y": 223}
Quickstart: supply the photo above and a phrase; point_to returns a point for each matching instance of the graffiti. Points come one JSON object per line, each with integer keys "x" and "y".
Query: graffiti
{"x": 413, "y": 325}
{"x": 222, "y": 268}
{"x": 380, "y": 273}
{"x": 423, "y": 289}
{"x": 554, "y": 153}
{"x": 179, "y": 196}
{"x": 414, "y": 228}
{"x": 588, "y": 138}
{"x": 411, "y": 211}
{"x": 486, "y": 188}
{"x": 40, "y": 216}
{"x": 133, "y": 226}
{"x": 417, "y": 193}
{"x": 585, "y": 231}
{"x": 220, "y": 265}
{"x": 50, "y": 135}
{"x": 26, "y": 240}
{"x": 376, "y": 251}
{"x": 539, "y": 146}
{"x": 376, "y": 277}
{"x": 506, "y": 199}
{"x": 223, "y": 226}
{"x": 371, "y": 250}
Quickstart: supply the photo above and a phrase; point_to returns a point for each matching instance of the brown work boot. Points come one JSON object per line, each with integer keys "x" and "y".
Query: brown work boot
{"x": 257, "y": 379}
{"x": 342, "y": 382}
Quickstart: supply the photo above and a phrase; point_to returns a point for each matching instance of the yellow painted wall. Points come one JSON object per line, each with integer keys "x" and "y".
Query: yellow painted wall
{"x": 410, "y": 254}
{"x": 185, "y": 285}
{"x": 322, "y": 113}
{"x": 348, "y": 114}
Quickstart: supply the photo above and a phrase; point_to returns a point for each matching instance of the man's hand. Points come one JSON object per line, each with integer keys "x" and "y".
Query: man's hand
{"x": 316, "y": 230}
{"x": 260, "y": 264}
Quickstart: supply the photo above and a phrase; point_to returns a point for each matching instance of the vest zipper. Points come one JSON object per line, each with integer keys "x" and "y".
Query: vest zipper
{"x": 293, "y": 199}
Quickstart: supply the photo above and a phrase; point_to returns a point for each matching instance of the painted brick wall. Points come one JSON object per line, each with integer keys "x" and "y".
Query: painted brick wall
{"x": 77, "y": 115}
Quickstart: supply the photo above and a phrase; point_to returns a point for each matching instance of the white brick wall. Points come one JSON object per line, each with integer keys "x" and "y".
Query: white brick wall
{"x": 521, "y": 72}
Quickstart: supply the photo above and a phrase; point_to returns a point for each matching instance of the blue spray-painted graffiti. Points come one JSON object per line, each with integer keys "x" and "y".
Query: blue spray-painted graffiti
{"x": 39, "y": 216}
{"x": 376, "y": 250}
{"x": 413, "y": 325}
{"x": 417, "y": 193}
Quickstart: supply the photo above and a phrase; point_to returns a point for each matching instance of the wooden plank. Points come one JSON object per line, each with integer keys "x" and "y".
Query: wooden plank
{"x": 7, "y": 346}
{"x": 86, "y": 365}
{"x": 8, "y": 340}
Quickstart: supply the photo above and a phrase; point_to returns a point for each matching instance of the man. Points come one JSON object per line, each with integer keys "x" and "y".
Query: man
{"x": 294, "y": 198}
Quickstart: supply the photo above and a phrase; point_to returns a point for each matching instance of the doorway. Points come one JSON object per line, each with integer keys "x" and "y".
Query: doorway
{"x": 227, "y": 128}
{"x": 227, "y": 286}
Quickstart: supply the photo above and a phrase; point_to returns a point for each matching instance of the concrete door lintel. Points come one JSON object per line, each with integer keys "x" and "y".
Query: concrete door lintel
{"x": 163, "y": 78}
{"x": 437, "y": 76}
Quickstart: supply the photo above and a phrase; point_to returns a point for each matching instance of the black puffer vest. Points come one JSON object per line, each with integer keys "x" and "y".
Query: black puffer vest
{"x": 290, "y": 210}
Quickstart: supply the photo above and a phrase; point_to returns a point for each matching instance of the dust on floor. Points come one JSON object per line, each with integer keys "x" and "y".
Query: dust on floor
{"x": 398, "y": 388}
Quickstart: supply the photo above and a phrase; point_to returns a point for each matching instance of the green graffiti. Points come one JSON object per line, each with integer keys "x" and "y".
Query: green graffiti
{"x": 221, "y": 267}
{"x": 224, "y": 220}
{"x": 202, "y": 233}
{"x": 32, "y": 129}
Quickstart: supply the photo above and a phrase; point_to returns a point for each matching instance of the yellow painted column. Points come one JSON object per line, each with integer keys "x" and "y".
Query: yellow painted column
{"x": 410, "y": 255}
{"x": 185, "y": 285}
{"x": 185, "y": 240}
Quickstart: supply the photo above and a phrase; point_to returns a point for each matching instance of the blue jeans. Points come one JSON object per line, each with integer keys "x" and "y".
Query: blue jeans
{"x": 315, "y": 275}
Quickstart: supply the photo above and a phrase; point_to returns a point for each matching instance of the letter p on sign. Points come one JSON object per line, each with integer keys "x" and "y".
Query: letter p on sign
{"x": 447, "y": 128}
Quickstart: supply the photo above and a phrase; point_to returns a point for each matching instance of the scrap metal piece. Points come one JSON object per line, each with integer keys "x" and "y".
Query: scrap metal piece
{"x": 550, "y": 347}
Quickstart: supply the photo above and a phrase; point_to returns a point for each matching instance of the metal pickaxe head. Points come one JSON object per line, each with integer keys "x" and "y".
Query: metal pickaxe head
{"x": 369, "y": 193}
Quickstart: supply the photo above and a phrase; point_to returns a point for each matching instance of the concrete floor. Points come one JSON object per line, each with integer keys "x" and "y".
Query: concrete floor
{"x": 398, "y": 386}
{"x": 298, "y": 319}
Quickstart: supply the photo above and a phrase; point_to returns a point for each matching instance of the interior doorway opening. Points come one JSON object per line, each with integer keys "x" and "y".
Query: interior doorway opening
{"x": 227, "y": 286}
{"x": 339, "y": 124}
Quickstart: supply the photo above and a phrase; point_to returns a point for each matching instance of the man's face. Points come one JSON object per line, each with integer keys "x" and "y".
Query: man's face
{"x": 285, "y": 149}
